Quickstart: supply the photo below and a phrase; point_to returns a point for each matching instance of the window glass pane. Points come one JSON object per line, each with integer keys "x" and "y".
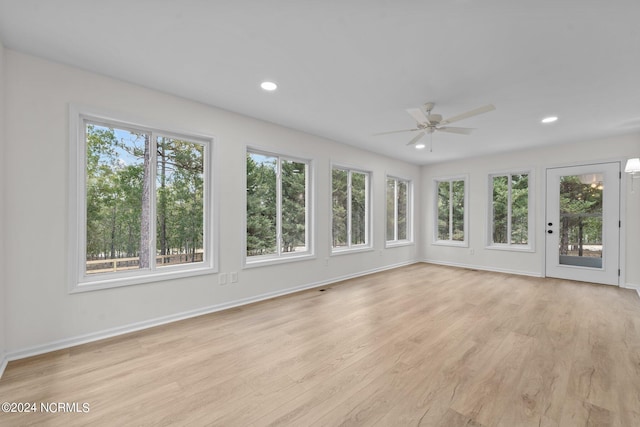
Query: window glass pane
{"x": 402, "y": 210}
{"x": 358, "y": 208}
{"x": 179, "y": 202}
{"x": 581, "y": 220}
{"x": 443, "y": 210}
{"x": 294, "y": 206}
{"x": 520, "y": 209}
{"x": 340, "y": 203}
{"x": 144, "y": 204}
{"x": 115, "y": 173}
{"x": 458, "y": 210}
{"x": 500, "y": 209}
{"x": 261, "y": 204}
{"x": 391, "y": 226}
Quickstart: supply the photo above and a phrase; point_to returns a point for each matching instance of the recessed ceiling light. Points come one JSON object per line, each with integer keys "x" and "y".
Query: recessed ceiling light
{"x": 420, "y": 146}
{"x": 269, "y": 86}
{"x": 549, "y": 119}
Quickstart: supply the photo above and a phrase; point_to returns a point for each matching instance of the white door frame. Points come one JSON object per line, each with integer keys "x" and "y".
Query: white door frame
{"x": 613, "y": 238}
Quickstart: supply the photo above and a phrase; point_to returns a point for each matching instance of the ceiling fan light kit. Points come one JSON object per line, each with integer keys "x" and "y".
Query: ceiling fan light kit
{"x": 428, "y": 123}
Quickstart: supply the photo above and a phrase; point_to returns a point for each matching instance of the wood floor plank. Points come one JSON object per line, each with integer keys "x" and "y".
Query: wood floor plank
{"x": 419, "y": 345}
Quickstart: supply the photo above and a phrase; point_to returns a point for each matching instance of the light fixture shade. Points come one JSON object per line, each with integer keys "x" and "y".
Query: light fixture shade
{"x": 633, "y": 166}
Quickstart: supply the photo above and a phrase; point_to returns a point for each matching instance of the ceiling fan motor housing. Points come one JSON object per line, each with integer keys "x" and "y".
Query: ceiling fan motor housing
{"x": 434, "y": 119}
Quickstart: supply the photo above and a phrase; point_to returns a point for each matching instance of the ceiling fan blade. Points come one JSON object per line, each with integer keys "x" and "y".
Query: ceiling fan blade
{"x": 479, "y": 110}
{"x": 461, "y": 131}
{"x": 395, "y": 131}
{"x": 418, "y": 115}
{"x": 415, "y": 138}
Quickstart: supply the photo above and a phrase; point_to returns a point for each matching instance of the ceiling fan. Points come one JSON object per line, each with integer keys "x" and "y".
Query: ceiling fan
{"x": 428, "y": 123}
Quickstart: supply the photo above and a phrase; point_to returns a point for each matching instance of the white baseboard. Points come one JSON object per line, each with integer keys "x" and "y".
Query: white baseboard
{"x": 484, "y": 268}
{"x": 3, "y": 363}
{"x": 108, "y": 333}
{"x": 518, "y": 272}
{"x": 631, "y": 286}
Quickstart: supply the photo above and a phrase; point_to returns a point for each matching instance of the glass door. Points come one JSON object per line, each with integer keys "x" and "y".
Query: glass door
{"x": 582, "y": 223}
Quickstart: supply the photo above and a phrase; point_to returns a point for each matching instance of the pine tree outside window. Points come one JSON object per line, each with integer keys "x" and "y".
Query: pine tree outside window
{"x": 143, "y": 207}
{"x": 277, "y": 208}
{"x": 398, "y": 197}
{"x": 350, "y": 209}
{"x": 510, "y": 213}
{"x": 450, "y": 226}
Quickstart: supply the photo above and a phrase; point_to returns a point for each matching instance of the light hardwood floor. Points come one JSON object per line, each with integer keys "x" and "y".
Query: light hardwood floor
{"x": 419, "y": 345}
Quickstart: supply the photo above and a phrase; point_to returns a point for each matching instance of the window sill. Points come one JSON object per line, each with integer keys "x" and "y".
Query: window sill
{"x": 398, "y": 244}
{"x": 262, "y": 261}
{"x": 108, "y": 281}
{"x": 510, "y": 248}
{"x": 351, "y": 250}
{"x": 450, "y": 243}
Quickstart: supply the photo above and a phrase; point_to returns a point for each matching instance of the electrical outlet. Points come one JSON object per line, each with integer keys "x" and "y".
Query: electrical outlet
{"x": 222, "y": 279}
{"x": 234, "y": 276}
{"x": 470, "y": 251}
{"x": 326, "y": 262}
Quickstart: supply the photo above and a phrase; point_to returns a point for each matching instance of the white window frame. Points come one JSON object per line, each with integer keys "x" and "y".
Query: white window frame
{"x": 395, "y": 241}
{"x": 449, "y": 242}
{"x": 530, "y": 246}
{"x": 351, "y": 248}
{"x": 279, "y": 256}
{"x": 78, "y": 280}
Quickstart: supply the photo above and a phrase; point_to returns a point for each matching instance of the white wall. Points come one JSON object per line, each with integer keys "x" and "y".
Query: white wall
{"x": 38, "y": 312}
{"x": 41, "y": 313}
{"x": 612, "y": 148}
{"x": 2, "y": 223}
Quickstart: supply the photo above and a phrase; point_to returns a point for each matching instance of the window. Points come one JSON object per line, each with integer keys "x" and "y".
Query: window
{"x": 398, "y": 210}
{"x": 142, "y": 207}
{"x": 451, "y": 212}
{"x": 509, "y": 212}
{"x": 350, "y": 209}
{"x": 277, "y": 215}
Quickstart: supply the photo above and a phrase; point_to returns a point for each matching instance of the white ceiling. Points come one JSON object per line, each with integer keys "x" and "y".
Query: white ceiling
{"x": 348, "y": 69}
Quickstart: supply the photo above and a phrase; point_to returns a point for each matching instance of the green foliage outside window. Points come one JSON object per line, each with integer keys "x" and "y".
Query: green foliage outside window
{"x": 403, "y": 208}
{"x": 349, "y": 208}
{"x": 397, "y": 209}
{"x": 451, "y": 210}
{"x": 340, "y": 207}
{"x": 294, "y": 206}
{"x": 457, "y": 203}
{"x": 358, "y": 208}
{"x": 391, "y": 206}
{"x": 118, "y": 202}
{"x": 261, "y": 205}
{"x": 510, "y": 209}
{"x": 444, "y": 218}
{"x": 580, "y": 214}
{"x": 276, "y": 205}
